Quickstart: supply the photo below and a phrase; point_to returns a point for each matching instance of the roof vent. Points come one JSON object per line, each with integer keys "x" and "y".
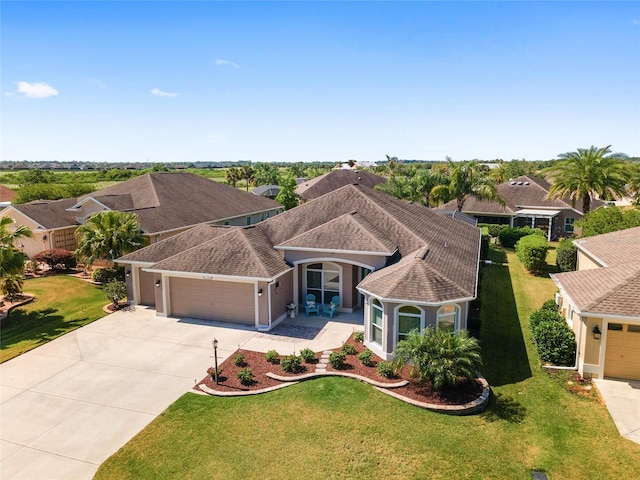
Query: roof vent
{"x": 527, "y": 183}
{"x": 520, "y": 183}
{"x": 513, "y": 183}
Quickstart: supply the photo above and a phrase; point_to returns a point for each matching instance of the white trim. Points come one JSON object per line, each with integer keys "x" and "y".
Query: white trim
{"x": 381, "y": 346}
{"x": 457, "y": 314}
{"x": 334, "y": 260}
{"x": 256, "y": 304}
{"x": 135, "y": 263}
{"x": 333, "y": 250}
{"x": 396, "y": 317}
{"x": 77, "y": 206}
{"x": 305, "y": 288}
{"x": 417, "y": 302}
{"x": 214, "y": 276}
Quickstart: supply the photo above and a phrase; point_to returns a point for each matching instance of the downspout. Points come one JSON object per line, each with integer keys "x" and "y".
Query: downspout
{"x": 272, "y": 282}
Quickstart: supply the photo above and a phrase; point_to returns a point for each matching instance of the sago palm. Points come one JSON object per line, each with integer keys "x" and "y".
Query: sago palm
{"x": 443, "y": 357}
{"x": 108, "y": 235}
{"x": 587, "y": 173}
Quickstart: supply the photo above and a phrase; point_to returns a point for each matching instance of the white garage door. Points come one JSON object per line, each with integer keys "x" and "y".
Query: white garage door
{"x": 622, "y": 358}
{"x": 212, "y": 300}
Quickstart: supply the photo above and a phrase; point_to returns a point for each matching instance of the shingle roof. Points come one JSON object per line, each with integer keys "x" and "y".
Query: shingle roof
{"x": 6, "y": 194}
{"x": 414, "y": 278}
{"x": 162, "y": 201}
{"x": 242, "y": 251}
{"x": 335, "y": 179}
{"x": 361, "y": 235}
{"x": 520, "y": 192}
{"x": 49, "y": 213}
{"x": 614, "y": 248}
{"x": 608, "y": 290}
{"x": 176, "y": 244}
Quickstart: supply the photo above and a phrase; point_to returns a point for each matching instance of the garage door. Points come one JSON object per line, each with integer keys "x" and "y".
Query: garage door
{"x": 622, "y": 359}
{"x": 212, "y": 300}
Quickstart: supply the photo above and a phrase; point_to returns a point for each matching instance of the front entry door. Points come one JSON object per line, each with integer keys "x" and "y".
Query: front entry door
{"x": 323, "y": 281}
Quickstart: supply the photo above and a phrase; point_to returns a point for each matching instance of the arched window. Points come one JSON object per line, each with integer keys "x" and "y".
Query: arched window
{"x": 449, "y": 317}
{"x": 409, "y": 318}
{"x": 376, "y": 321}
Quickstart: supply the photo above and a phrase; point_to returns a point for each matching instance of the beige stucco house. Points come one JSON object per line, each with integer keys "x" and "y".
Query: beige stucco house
{"x": 165, "y": 204}
{"x": 402, "y": 265}
{"x": 601, "y": 302}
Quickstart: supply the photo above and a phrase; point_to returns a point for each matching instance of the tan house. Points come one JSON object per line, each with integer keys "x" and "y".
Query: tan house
{"x": 165, "y": 204}
{"x": 601, "y": 302}
{"x": 316, "y": 187}
{"x": 526, "y": 204}
{"x": 402, "y": 265}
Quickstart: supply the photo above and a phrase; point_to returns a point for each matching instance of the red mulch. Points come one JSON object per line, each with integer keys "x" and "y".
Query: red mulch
{"x": 228, "y": 382}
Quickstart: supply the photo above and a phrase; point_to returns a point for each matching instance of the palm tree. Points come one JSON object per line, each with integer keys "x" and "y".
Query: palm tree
{"x": 466, "y": 181}
{"x": 587, "y": 173}
{"x": 441, "y": 356}
{"x": 634, "y": 182}
{"x": 11, "y": 285}
{"x": 11, "y": 259}
{"x": 246, "y": 173}
{"x": 232, "y": 176}
{"x": 424, "y": 181}
{"x": 108, "y": 235}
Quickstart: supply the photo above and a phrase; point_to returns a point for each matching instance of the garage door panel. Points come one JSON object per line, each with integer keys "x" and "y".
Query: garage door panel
{"x": 212, "y": 300}
{"x": 622, "y": 358}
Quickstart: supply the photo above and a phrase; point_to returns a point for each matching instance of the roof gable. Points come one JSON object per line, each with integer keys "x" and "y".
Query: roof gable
{"x": 613, "y": 248}
{"x": 316, "y": 187}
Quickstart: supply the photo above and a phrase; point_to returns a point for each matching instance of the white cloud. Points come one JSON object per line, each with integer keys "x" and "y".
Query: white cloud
{"x": 96, "y": 82}
{"x": 220, "y": 62}
{"x": 36, "y": 90}
{"x": 160, "y": 93}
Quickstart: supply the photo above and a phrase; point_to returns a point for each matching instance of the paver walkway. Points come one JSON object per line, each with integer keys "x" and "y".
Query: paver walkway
{"x": 68, "y": 405}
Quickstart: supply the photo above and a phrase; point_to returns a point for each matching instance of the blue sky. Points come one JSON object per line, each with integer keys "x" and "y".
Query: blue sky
{"x": 326, "y": 81}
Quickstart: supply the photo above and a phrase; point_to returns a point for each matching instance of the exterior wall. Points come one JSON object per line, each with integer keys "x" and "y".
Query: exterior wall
{"x": 377, "y": 262}
{"x": 263, "y": 305}
{"x": 159, "y": 295}
{"x": 281, "y": 296}
{"x": 232, "y": 302}
{"x": 40, "y": 240}
{"x": 589, "y": 345}
{"x": 561, "y": 218}
{"x": 585, "y": 262}
{"x": 147, "y": 288}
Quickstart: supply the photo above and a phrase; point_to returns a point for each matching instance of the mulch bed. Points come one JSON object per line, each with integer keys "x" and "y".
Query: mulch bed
{"x": 228, "y": 382}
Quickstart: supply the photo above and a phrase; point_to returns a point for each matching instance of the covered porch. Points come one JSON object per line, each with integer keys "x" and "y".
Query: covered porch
{"x": 546, "y": 220}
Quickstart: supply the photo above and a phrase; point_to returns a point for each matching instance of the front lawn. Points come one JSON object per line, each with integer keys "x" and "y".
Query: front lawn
{"x": 341, "y": 429}
{"x": 62, "y": 304}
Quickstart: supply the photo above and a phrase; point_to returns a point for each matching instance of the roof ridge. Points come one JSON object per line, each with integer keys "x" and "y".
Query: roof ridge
{"x": 245, "y": 238}
{"x": 368, "y": 226}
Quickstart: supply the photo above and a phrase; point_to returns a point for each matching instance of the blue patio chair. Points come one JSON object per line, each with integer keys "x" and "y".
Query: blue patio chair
{"x": 333, "y": 306}
{"x": 311, "y": 305}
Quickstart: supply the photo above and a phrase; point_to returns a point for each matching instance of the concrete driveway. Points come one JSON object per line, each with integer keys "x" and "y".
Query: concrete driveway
{"x": 68, "y": 405}
{"x": 622, "y": 398}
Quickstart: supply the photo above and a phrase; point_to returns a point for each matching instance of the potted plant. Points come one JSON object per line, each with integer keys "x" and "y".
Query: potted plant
{"x": 292, "y": 309}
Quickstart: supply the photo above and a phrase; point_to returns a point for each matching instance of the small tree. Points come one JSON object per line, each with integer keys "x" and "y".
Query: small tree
{"x": 56, "y": 259}
{"x": 11, "y": 285}
{"x": 115, "y": 291}
{"x": 286, "y": 197}
{"x": 440, "y": 356}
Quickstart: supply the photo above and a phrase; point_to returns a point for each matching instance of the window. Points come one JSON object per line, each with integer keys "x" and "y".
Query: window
{"x": 448, "y": 317}
{"x": 248, "y": 220}
{"x": 323, "y": 280}
{"x": 615, "y": 326}
{"x": 409, "y": 318}
{"x": 568, "y": 224}
{"x": 376, "y": 322}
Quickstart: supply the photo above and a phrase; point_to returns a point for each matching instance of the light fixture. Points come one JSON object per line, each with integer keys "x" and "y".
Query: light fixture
{"x": 596, "y": 332}
{"x": 128, "y": 273}
{"x": 214, "y": 342}
{"x": 158, "y": 283}
{"x": 260, "y": 292}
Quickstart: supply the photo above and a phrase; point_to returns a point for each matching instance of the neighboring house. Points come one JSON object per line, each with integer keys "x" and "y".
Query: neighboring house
{"x": 6, "y": 196}
{"x": 316, "y": 187}
{"x": 268, "y": 191}
{"x": 402, "y": 264}
{"x": 165, "y": 204}
{"x": 601, "y": 302}
{"x": 526, "y": 203}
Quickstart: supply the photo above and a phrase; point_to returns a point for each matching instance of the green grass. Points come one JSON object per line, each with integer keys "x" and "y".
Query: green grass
{"x": 342, "y": 429}
{"x": 62, "y": 304}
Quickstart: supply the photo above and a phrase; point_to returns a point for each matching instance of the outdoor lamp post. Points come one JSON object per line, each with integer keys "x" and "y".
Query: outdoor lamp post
{"x": 214, "y": 342}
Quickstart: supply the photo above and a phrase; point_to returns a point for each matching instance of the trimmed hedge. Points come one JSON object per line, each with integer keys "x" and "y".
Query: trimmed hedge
{"x": 484, "y": 247}
{"x": 509, "y": 236}
{"x": 544, "y": 315}
{"x": 105, "y": 275}
{"x": 553, "y": 338}
{"x": 567, "y": 256}
{"x": 532, "y": 252}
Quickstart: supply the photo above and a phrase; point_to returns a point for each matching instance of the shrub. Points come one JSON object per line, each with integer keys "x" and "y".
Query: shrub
{"x": 359, "y": 336}
{"x": 550, "y": 305}
{"x": 308, "y": 355}
{"x": 532, "y": 252}
{"x": 509, "y": 236}
{"x": 366, "y": 357}
{"x": 337, "y": 359}
{"x": 115, "y": 290}
{"x": 494, "y": 229}
{"x": 245, "y": 376}
{"x": 105, "y": 275}
{"x": 212, "y": 371}
{"x": 56, "y": 259}
{"x": 386, "y": 369}
{"x": 271, "y": 356}
{"x": 555, "y": 343}
{"x": 484, "y": 247}
{"x": 544, "y": 315}
{"x": 566, "y": 256}
{"x": 238, "y": 360}
{"x": 349, "y": 348}
{"x": 291, "y": 363}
